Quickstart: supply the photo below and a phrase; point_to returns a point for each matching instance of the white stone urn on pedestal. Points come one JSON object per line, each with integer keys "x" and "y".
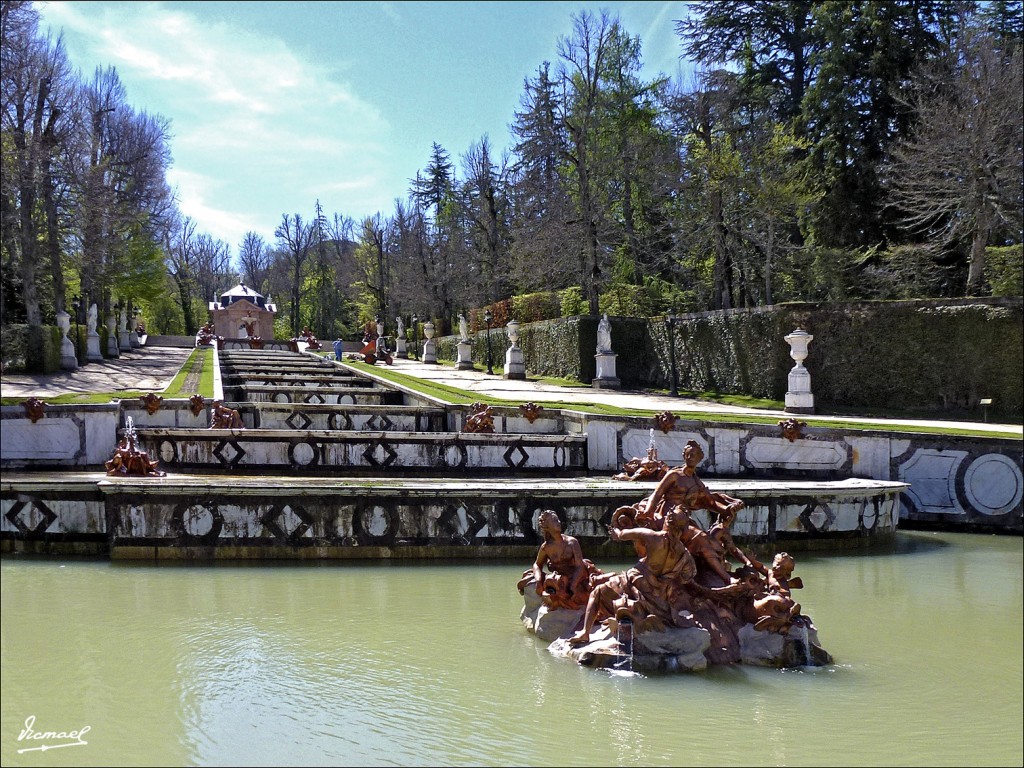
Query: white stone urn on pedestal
{"x": 515, "y": 368}
{"x": 112, "y": 349}
{"x": 799, "y": 398}
{"x": 429, "y": 346}
{"x": 68, "y": 360}
{"x": 133, "y": 334}
{"x": 124, "y": 342}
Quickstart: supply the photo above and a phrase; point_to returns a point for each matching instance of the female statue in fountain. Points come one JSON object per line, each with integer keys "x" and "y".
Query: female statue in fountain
{"x": 680, "y": 487}
{"x": 568, "y": 583}
{"x": 653, "y": 593}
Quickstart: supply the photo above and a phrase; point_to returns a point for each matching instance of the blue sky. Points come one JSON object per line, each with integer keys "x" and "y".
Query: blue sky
{"x": 274, "y": 105}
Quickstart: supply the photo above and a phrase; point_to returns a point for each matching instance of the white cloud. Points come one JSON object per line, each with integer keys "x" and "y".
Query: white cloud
{"x": 255, "y": 126}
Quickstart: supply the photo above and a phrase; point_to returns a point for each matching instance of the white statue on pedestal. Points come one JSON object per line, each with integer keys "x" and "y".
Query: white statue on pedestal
{"x": 463, "y": 328}
{"x": 604, "y": 336}
{"x": 92, "y": 340}
{"x": 400, "y": 327}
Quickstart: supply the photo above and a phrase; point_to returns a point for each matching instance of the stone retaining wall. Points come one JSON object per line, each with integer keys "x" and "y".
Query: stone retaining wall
{"x": 202, "y": 517}
{"x": 968, "y": 483}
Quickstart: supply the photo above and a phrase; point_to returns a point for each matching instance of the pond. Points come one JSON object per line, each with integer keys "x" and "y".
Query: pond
{"x": 428, "y": 664}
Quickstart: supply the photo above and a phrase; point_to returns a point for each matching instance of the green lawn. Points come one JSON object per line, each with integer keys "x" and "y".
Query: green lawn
{"x": 458, "y": 396}
{"x": 195, "y": 376}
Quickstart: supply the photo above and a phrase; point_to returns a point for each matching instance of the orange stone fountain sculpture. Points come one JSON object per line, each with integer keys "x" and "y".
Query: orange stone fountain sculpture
{"x": 693, "y": 597}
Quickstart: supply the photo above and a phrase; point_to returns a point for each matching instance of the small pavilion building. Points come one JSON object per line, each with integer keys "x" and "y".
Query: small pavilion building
{"x": 243, "y": 313}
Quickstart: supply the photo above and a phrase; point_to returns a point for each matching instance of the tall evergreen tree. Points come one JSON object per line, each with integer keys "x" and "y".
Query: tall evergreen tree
{"x": 869, "y": 48}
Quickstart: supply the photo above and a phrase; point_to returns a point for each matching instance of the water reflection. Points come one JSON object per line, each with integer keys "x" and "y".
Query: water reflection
{"x": 428, "y": 664}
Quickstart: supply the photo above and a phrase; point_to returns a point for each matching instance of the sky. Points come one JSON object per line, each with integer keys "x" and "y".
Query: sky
{"x": 275, "y": 105}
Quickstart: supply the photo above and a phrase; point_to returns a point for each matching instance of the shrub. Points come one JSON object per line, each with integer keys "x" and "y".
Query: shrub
{"x": 1004, "y": 270}
{"x": 572, "y": 302}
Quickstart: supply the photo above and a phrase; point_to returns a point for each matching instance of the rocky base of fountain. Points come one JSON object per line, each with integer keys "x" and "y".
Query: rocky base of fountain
{"x": 669, "y": 650}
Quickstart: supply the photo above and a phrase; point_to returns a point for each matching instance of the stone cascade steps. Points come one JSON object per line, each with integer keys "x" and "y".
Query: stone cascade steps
{"x": 275, "y": 376}
{"x": 329, "y": 452}
{"x": 312, "y": 416}
{"x": 272, "y": 357}
{"x": 318, "y": 395}
{"x": 311, "y": 428}
{"x": 237, "y": 387}
{"x": 284, "y": 370}
{"x": 293, "y": 379}
{"x": 277, "y": 361}
{"x": 375, "y": 472}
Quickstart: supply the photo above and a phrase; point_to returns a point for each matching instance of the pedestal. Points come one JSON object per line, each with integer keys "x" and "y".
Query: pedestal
{"x": 799, "y": 398}
{"x": 124, "y": 342}
{"x": 68, "y": 360}
{"x": 515, "y": 368}
{"x": 430, "y": 351}
{"x": 464, "y": 361}
{"x": 402, "y": 348}
{"x": 112, "y": 348}
{"x": 605, "y": 378}
{"x": 92, "y": 348}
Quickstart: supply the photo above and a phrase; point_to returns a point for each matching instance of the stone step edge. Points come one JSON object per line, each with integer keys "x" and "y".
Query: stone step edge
{"x": 742, "y": 488}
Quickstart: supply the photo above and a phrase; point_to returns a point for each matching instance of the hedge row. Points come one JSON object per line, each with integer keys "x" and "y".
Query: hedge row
{"x": 36, "y": 349}
{"x": 924, "y": 356}
{"x": 929, "y": 356}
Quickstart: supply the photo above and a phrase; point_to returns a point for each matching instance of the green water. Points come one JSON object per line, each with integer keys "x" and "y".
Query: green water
{"x": 341, "y": 664}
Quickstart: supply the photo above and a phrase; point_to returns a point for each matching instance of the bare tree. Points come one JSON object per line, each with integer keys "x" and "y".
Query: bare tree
{"x": 296, "y": 238}
{"x": 213, "y": 266}
{"x": 582, "y": 61}
{"x": 338, "y": 249}
{"x": 544, "y": 225}
{"x": 408, "y": 232}
{"x": 959, "y": 178}
{"x": 486, "y": 210}
{"x": 254, "y": 259}
{"x": 35, "y": 74}
{"x": 180, "y": 245}
{"x": 373, "y": 263}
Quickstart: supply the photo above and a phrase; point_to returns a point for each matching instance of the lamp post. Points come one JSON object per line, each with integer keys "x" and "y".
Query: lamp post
{"x": 117, "y": 323}
{"x": 489, "y": 318}
{"x": 76, "y": 305}
{"x": 415, "y": 338}
{"x": 670, "y": 324}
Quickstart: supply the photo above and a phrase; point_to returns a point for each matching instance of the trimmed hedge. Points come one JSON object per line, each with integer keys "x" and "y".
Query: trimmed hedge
{"x": 30, "y": 348}
{"x": 36, "y": 349}
{"x": 928, "y": 356}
